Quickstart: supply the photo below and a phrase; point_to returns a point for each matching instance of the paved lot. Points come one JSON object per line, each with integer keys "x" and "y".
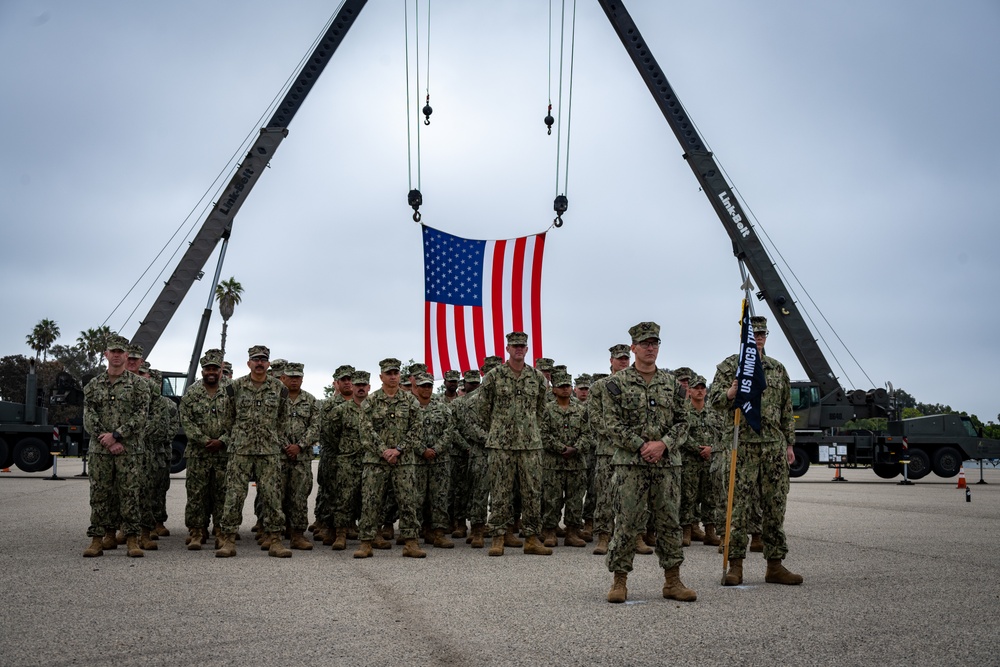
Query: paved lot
{"x": 893, "y": 576}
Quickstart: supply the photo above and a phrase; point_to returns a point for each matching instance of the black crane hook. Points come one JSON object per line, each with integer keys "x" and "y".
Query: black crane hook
{"x": 549, "y": 120}
{"x": 559, "y": 206}
{"x": 427, "y": 111}
{"x": 415, "y": 199}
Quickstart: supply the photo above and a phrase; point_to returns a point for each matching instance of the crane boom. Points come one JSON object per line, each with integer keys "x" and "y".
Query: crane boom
{"x": 219, "y": 221}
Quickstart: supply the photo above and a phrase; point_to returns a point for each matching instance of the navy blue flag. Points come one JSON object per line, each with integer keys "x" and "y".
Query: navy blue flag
{"x": 750, "y": 378}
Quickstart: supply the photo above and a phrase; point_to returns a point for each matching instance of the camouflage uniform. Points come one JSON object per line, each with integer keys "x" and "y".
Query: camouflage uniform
{"x": 761, "y": 462}
{"x": 260, "y": 424}
{"x": 433, "y": 477}
{"x": 297, "y": 476}
{"x": 205, "y": 417}
{"x": 635, "y": 413}
{"x": 396, "y": 425}
{"x": 160, "y": 443}
{"x": 697, "y": 500}
{"x": 326, "y": 471}
{"x": 120, "y": 406}
{"x": 514, "y": 406}
{"x": 565, "y": 479}
{"x": 602, "y": 490}
{"x": 346, "y": 433}
{"x": 471, "y": 430}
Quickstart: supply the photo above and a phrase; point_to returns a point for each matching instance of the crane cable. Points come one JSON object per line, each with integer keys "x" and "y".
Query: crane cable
{"x": 561, "y": 203}
{"x": 414, "y": 198}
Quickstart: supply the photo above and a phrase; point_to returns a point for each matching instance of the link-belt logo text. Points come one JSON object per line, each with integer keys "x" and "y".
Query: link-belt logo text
{"x": 737, "y": 218}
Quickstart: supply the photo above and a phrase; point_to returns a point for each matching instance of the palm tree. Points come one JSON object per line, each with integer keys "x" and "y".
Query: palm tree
{"x": 93, "y": 341}
{"x": 228, "y": 293}
{"x": 42, "y": 337}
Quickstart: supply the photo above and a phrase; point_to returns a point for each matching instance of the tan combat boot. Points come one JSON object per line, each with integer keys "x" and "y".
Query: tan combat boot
{"x": 365, "y": 550}
{"x": 132, "y": 544}
{"x": 686, "y": 538}
{"x": 697, "y": 534}
{"x": 277, "y": 549}
{"x": 573, "y": 538}
{"x": 641, "y": 547}
{"x": 674, "y": 589}
{"x": 619, "y": 590}
{"x": 549, "y": 537}
{"x": 256, "y": 527}
{"x": 603, "y": 539}
{"x": 756, "y": 543}
{"x": 195, "y": 540}
{"x": 108, "y": 541}
{"x": 387, "y": 532}
{"x": 496, "y": 547}
{"x": 428, "y": 534}
{"x": 534, "y": 547}
{"x": 161, "y": 530}
{"x": 587, "y": 534}
{"x": 352, "y": 532}
{"x": 340, "y": 543}
{"x": 146, "y": 542}
{"x": 381, "y": 543}
{"x": 120, "y": 536}
{"x": 411, "y": 549}
{"x": 510, "y": 540}
{"x": 460, "y": 530}
{"x": 560, "y": 531}
{"x": 227, "y": 546}
{"x": 711, "y": 539}
{"x": 95, "y": 549}
{"x": 477, "y": 539}
{"x": 441, "y": 540}
{"x": 299, "y": 541}
{"x": 265, "y": 539}
{"x": 778, "y": 574}
{"x": 734, "y": 576}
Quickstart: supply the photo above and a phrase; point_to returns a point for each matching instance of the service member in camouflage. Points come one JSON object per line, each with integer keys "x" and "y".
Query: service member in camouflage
{"x": 645, "y": 416}
{"x": 512, "y": 402}
{"x": 473, "y": 433}
{"x": 566, "y": 438}
{"x": 206, "y": 416}
{"x": 390, "y": 462}
{"x": 147, "y": 535}
{"x": 699, "y": 496}
{"x": 433, "y": 469}
{"x": 259, "y": 409}
{"x": 458, "y": 492}
{"x": 160, "y": 442}
{"x": 326, "y": 471}
{"x": 115, "y": 408}
{"x": 296, "y": 465}
{"x": 761, "y": 463}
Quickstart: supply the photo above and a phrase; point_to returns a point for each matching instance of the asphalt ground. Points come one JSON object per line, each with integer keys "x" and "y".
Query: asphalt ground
{"x": 894, "y": 575}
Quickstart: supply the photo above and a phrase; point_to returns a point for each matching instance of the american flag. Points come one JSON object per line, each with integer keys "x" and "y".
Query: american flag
{"x": 475, "y": 292}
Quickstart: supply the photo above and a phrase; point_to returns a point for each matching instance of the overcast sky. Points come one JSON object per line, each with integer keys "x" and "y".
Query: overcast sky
{"x": 863, "y": 135}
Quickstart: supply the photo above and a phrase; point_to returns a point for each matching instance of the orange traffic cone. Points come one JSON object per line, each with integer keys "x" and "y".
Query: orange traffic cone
{"x": 5, "y": 470}
{"x": 961, "y": 478}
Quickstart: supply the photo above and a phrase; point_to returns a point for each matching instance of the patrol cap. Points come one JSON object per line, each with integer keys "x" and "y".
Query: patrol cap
{"x": 561, "y": 379}
{"x": 620, "y": 350}
{"x": 644, "y": 331}
{"x": 599, "y": 376}
{"x": 560, "y": 367}
{"x": 544, "y": 364}
{"x": 293, "y": 369}
{"x": 144, "y": 367}
{"x": 472, "y": 377}
{"x": 423, "y": 379}
{"x": 226, "y": 366}
{"x": 360, "y": 377}
{"x": 405, "y": 380}
{"x": 684, "y": 373}
{"x": 212, "y": 358}
{"x": 417, "y": 368}
{"x": 698, "y": 380}
{"x": 517, "y": 338}
{"x": 583, "y": 381}
{"x": 135, "y": 351}
{"x": 277, "y": 367}
{"x": 259, "y": 351}
{"x": 344, "y": 372}
{"x": 156, "y": 376}
{"x": 491, "y": 362}
{"x": 452, "y": 376}
{"x": 390, "y": 364}
{"x": 116, "y": 342}
{"x": 759, "y": 324}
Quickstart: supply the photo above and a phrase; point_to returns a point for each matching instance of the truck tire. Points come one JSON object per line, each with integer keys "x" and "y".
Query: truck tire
{"x": 946, "y": 462}
{"x": 887, "y": 470}
{"x": 920, "y": 464}
{"x": 801, "y": 464}
{"x": 177, "y": 461}
{"x": 32, "y": 455}
{"x": 5, "y": 457}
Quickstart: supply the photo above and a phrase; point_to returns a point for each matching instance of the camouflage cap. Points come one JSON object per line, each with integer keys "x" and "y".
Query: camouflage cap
{"x": 144, "y": 367}
{"x": 544, "y": 364}
{"x": 294, "y": 369}
{"x": 620, "y": 350}
{"x": 212, "y": 358}
{"x": 227, "y": 366}
{"x": 116, "y": 342}
{"x": 342, "y": 372}
{"x": 135, "y": 351}
{"x": 644, "y": 331}
{"x": 360, "y": 377}
{"x": 599, "y": 376}
{"x": 156, "y": 376}
{"x": 390, "y": 364}
{"x": 560, "y": 368}
{"x": 452, "y": 376}
{"x": 423, "y": 379}
{"x": 683, "y": 373}
{"x": 517, "y": 338}
{"x": 472, "y": 377}
{"x": 583, "y": 381}
{"x": 489, "y": 363}
{"x": 759, "y": 324}
{"x": 404, "y": 380}
{"x": 561, "y": 379}
{"x": 259, "y": 351}
{"x": 698, "y": 380}
{"x": 417, "y": 368}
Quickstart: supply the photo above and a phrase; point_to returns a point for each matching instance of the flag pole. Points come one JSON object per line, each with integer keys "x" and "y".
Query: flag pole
{"x": 732, "y": 493}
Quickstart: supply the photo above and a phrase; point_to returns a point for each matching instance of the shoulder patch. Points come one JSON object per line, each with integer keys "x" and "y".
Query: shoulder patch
{"x": 284, "y": 392}
{"x": 230, "y": 390}
{"x": 613, "y": 388}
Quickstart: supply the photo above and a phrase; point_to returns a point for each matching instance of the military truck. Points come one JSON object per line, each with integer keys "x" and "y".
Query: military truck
{"x": 27, "y": 440}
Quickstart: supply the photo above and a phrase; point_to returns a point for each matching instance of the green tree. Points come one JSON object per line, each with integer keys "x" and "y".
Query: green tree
{"x": 74, "y": 360}
{"x": 229, "y": 293}
{"x": 93, "y": 342}
{"x": 13, "y": 374}
{"x": 42, "y": 337}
